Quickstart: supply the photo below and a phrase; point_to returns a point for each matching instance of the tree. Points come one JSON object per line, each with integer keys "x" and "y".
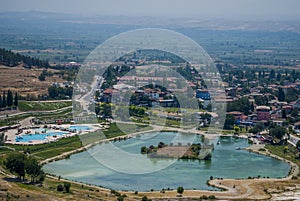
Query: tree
{"x": 60, "y": 188}
{"x": 294, "y": 112}
{"x": 278, "y": 132}
{"x": 298, "y": 145}
{"x": 180, "y": 190}
{"x": 229, "y": 122}
{"x": 261, "y": 100}
{"x": 285, "y": 149}
{"x": 257, "y": 128}
{"x": 283, "y": 114}
{"x": 16, "y": 101}
{"x": 144, "y": 198}
{"x": 67, "y": 186}
{"x": 236, "y": 129}
{"x": 33, "y": 168}
{"x": 120, "y": 198}
{"x": 9, "y": 98}
{"x": 242, "y": 105}
{"x": 42, "y": 76}
{"x": 272, "y": 74}
{"x": 278, "y": 77}
{"x": 281, "y": 95}
{"x": 1, "y": 139}
{"x": 15, "y": 163}
{"x": 42, "y": 177}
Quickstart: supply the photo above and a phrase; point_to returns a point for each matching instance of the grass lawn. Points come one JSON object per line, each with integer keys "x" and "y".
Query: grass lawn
{"x": 42, "y": 106}
{"x": 289, "y": 155}
{"x": 44, "y": 151}
{"x": 114, "y": 130}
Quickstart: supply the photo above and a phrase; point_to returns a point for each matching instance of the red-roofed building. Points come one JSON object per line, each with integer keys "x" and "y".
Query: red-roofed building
{"x": 263, "y": 113}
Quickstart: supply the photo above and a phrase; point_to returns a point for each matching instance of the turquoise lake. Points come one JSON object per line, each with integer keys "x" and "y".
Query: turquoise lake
{"x": 227, "y": 162}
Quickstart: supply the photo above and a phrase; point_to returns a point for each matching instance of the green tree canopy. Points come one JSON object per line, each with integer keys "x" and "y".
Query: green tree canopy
{"x": 1, "y": 138}
{"x": 281, "y": 95}
{"x": 67, "y": 186}
{"x": 15, "y": 163}
{"x": 180, "y": 190}
{"x": 16, "y": 100}
{"x": 9, "y": 98}
{"x": 242, "y": 105}
{"x": 229, "y": 122}
{"x": 33, "y": 168}
{"x": 278, "y": 132}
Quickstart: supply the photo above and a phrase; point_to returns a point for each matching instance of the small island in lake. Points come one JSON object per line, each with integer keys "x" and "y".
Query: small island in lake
{"x": 190, "y": 151}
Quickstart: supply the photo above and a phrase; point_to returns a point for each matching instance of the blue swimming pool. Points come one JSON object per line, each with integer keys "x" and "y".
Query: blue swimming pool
{"x": 33, "y": 137}
{"x": 79, "y": 128}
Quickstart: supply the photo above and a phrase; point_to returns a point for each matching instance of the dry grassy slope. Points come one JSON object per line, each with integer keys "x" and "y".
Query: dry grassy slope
{"x": 25, "y": 81}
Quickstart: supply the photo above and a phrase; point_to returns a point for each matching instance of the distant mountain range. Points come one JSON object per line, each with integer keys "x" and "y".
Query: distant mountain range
{"x": 211, "y": 24}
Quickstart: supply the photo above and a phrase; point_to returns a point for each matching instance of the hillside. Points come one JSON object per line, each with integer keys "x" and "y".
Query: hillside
{"x": 30, "y": 77}
{"x": 26, "y": 81}
{"x": 8, "y": 58}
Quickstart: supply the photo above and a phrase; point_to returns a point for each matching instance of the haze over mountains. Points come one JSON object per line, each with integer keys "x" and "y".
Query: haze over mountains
{"x": 152, "y": 21}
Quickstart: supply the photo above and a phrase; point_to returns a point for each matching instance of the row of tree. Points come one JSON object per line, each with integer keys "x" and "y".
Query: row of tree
{"x": 21, "y": 164}
{"x": 60, "y": 92}
{"x": 12, "y": 59}
{"x": 8, "y": 100}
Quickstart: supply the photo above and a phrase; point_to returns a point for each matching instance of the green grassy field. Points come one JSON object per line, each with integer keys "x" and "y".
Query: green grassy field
{"x": 42, "y": 106}
{"x": 44, "y": 151}
{"x": 279, "y": 151}
{"x": 114, "y": 130}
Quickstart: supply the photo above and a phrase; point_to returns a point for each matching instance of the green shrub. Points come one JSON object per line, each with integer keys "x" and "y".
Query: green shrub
{"x": 60, "y": 188}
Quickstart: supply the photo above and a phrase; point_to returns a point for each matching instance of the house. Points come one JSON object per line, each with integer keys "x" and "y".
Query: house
{"x": 263, "y": 113}
{"x": 153, "y": 94}
{"x": 296, "y": 104}
{"x": 287, "y": 108}
{"x": 237, "y": 115}
{"x": 278, "y": 122}
{"x": 231, "y": 91}
{"x": 167, "y": 103}
{"x": 203, "y": 94}
{"x": 297, "y": 126}
{"x": 106, "y": 96}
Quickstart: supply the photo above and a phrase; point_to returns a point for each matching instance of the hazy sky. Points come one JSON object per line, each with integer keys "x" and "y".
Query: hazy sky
{"x": 236, "y": 9}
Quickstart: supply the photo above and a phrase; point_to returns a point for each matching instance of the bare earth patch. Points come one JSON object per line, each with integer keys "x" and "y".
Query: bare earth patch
{"x": 174, "y": 151}
{"x": 25, "y": 81}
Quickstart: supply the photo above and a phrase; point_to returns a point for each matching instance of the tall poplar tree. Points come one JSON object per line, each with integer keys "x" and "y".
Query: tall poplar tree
{"x": 9, "y": 98}
{"x": 281, "y": 95}
{"x": 16, "y": 101}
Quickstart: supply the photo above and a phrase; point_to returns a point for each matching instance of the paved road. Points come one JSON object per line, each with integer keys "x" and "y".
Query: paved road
{"x": 86, "y": 99}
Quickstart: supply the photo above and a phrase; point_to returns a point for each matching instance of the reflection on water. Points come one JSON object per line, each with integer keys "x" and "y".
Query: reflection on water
{"x": 227, "y": 162}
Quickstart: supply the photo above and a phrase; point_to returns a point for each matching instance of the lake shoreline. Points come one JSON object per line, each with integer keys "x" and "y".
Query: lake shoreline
{"x": 213, "y": 183}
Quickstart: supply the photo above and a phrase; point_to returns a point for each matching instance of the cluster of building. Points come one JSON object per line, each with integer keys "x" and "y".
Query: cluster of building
{"x": 143, "y": 97}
